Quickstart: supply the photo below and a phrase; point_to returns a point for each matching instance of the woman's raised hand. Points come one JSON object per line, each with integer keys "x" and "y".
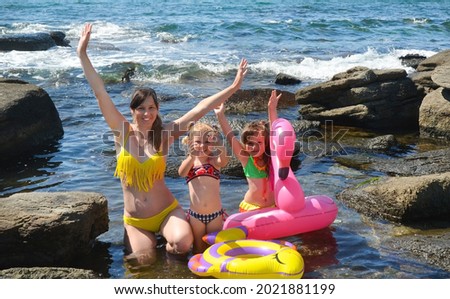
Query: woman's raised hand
{"x": 84, "y": 39}
{"x": 242, "y": 71}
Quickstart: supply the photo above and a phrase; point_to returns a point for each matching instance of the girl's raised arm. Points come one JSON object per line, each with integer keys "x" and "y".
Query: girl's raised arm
{"x": 272, "y": 106}
{"x": 236, "y": 145}
{"x": 222, "y": 158}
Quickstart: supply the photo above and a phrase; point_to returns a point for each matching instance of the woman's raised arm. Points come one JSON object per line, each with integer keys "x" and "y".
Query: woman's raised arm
{"x": 180, "y": 125}
{"x": 112, "y": 116}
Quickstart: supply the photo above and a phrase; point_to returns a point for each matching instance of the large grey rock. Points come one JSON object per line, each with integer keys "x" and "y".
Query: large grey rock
{"x": 362, "y": 97}
{"x": 432, "y": 62}
{"x": 49, "y": 229}
{"x": 425, "y": 71}
{"x": 423, "y": 81}
{"x": 434, "y": 114}
{"x": 250, "y": 100}
{"x": 28, "y": 119}
{"x": 26, "y": 42}
{"x": 430, "y": 162}
{"x": 441, "y": 76}
{"x": 402, "y": 199}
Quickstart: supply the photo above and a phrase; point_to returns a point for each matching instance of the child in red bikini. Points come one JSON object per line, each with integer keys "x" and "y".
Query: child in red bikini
{"x": 202, "y": 171}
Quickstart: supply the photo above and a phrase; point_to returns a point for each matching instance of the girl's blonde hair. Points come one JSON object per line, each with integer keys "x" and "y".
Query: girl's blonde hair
{"x": 198, "y": 129}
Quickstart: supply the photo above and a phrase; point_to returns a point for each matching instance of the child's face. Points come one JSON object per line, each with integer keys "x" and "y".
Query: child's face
{"x": 202, "y": 143}
{"x": 255, "y": 145}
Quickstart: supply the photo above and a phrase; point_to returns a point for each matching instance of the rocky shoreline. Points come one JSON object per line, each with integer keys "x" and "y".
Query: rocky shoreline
{"x": 46, "y": 230}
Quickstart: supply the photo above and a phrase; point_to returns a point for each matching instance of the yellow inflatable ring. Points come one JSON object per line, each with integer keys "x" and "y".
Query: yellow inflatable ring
{"x": 248, "y": 259}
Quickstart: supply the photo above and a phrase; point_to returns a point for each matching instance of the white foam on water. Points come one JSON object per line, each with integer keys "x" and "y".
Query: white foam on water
{"x": 317, "y": 69}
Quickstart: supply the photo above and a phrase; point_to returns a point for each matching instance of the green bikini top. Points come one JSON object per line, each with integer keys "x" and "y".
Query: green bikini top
{"x": 251, "y": 171}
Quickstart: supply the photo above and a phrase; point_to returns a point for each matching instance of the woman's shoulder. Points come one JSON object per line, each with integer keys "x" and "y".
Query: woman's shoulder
{"x": 122, "y": 132}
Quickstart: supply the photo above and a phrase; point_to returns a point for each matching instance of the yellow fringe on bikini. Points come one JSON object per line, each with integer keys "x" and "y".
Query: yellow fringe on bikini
{"x": 140, "y": 175}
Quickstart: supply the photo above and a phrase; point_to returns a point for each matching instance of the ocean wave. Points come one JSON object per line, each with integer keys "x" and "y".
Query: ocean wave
{"x": 166, "y": 70}
{"x": 171, "y": 52}
{"x": 311, "y": 68}
{"x": 25, "y": 27}
{"x": 418, "y": 20}
{"x": 167, "y": 37}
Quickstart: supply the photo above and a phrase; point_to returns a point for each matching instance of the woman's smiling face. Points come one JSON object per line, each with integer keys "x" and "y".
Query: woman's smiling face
{"x": 145, "y": 114}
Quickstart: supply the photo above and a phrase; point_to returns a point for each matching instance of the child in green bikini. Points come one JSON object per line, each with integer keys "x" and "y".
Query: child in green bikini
{"x": 253, "y": 152}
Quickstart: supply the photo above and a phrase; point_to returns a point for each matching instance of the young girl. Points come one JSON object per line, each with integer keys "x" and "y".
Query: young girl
{"x": 202, "y": 171}
{"x": 142, "y": 146}
{"x": 253, "y": 152}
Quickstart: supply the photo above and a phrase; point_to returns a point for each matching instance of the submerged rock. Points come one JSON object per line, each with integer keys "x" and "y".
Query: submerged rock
{"x": 402, "y": 199}
{"x": 48, "y": 273}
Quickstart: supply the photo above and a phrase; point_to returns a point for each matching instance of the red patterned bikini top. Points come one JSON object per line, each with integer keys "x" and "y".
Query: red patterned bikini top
{"x": 203, "y": 170}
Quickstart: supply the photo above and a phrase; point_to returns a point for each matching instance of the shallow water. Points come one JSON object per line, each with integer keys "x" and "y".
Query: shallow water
{"x": 352, "y": 247}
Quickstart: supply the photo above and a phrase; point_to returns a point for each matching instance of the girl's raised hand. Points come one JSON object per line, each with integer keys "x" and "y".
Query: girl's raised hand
{"x": 273, "y": 100}
{"x": 220, "y": 110}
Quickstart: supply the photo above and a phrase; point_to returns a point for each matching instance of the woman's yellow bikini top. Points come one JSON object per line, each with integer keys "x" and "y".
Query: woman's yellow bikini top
{"x": 137, "y": 174}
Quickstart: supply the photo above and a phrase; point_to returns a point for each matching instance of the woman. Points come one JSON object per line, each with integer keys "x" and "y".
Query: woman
{"x": 142, "y": 147}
